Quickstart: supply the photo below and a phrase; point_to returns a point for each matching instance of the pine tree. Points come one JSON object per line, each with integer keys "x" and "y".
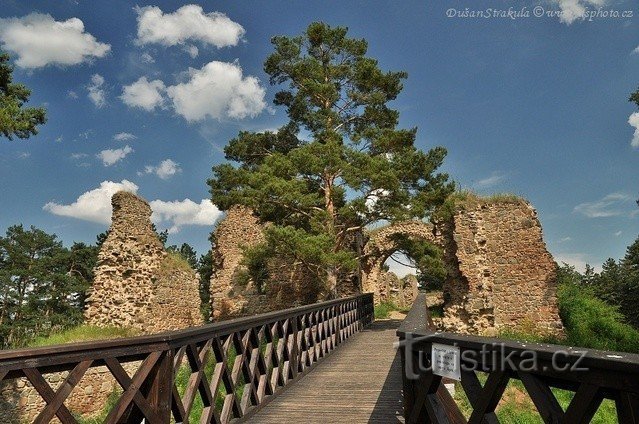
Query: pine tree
{"x": 15, "y": 119}
{"x": 339, "y": 164}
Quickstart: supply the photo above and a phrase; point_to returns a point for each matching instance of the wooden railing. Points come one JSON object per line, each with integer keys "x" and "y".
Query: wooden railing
{"x": 252, "y": 360}
{"x": 591, "y": 375}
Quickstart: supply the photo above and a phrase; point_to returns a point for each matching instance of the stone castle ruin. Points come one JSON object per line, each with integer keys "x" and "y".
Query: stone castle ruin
{"x": 136, "y": 281}
{"x": 499, "y": 273}
{"x": 137, "y": 285}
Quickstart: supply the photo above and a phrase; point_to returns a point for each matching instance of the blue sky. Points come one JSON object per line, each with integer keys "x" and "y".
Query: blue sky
{"x": 144, "y": 96}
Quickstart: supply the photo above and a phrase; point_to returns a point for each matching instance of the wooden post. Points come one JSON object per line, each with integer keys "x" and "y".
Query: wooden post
{"x": 160, "y": 394}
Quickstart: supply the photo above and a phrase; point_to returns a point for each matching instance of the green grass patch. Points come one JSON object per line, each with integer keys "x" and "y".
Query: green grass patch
{"x": 516, "y": 407}
{"x": 383, "y": 310}
{"x": 84, "y": 333}
{"x": 436, "y": 311}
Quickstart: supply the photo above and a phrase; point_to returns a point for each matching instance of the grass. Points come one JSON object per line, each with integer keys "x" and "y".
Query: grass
{"x": 83, "y": 333}
{"x": 383, "y": 310}
{"x": 516, "y": 407}
{"x": 468, "y": 199}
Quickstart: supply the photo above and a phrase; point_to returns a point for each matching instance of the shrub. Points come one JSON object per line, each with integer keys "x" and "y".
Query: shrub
{"x": 592, "y": 323}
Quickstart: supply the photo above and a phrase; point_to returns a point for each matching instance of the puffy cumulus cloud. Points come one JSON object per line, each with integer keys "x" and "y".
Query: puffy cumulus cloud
{"x": 94, "y": 205}
{"x": 188, "y": 23}
{"x": 218, "y": 90}
{"x": 96, "y": 94}
{"x": 39, "y": 40}
{"x": 165, "y": 169}
{"x": 112, "y": 156}
{"x": 124, "y": 136}
{"x": 144, "y": 94}
{"x": 613, "y": 204}
{"x": 176, "y": 214}
{"x": 572, "y": 10}
{"x": 633, "y": 120}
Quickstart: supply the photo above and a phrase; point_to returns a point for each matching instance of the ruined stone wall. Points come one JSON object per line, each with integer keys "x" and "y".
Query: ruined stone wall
{"x": 379, "y": 246}
{"x": 240, "y": 228}
{"x": 137, "y": 283}
{"x": 500, "y": 274}
{"x": 233, "y": 296}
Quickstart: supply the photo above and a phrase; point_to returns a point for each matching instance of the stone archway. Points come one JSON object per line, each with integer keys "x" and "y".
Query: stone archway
{"x": 380, "y": 245}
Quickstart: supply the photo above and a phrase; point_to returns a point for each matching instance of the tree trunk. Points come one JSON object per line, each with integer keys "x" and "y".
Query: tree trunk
{"x": 331, "y": 278}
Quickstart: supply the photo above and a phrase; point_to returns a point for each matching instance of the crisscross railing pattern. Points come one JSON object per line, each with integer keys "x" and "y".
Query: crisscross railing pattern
{"x": 590, "y": 375}
{"x": 212, "y": 374}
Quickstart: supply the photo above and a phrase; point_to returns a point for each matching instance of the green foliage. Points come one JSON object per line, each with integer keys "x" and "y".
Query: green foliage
{"x": 15, "y": 119}
{"x": 383, "y": 310}
{"x": 256, "y": 259}
{"x": 427, "y": 258}
{"x": 634, "y": 97}
{"x": 187, "y": 252}
{"x": 42, "y": 284}
{"x": 591, "y": 322}
{"x": 83, "y": 333}
{"x": 355, "y": 167}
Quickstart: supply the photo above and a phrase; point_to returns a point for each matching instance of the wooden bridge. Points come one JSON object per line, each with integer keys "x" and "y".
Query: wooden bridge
{"x": 323, "y": 363}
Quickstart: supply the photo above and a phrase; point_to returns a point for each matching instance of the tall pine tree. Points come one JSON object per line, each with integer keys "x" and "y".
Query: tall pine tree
{"x": 340, "y": 164}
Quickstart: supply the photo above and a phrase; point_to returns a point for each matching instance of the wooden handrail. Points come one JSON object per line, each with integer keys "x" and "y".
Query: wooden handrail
{"x": 592, "y": 374}
{"x": 268, "y": 352}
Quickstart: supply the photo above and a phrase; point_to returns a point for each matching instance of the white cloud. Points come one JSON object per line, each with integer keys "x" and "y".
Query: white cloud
{"x": 144, "y": 94}
{"x": 24, "y": 155}
{"x": 188, "y": 23}
{"x": 77, "y": 156}
{"x": 494, "y": 179}
{"x": 94, "y": 205}
{"x": 177, "y": 214}
{"x": 192, "y": 51}
{"x": 572, "y": 10}
{"x": 636, "y": 50}
{"x": 610, "y": 205}
{"x": 633, "y": 120}
{"x": 565, "y": 239}
{"x": 112, "y": 156}
{"x": 124, "y": 136}
{"x": 617, "y": 233}
{"x": 40, "y": 40}
{"x": 96, "y": 93}
{"x": 147, "y": 58}
{"x": 165, "y": 169}
{"x": 400, "y": 265}
{"x": 72, "y": 94}
{"x": 218, "y": 90}
{"x": 578, "y": 260}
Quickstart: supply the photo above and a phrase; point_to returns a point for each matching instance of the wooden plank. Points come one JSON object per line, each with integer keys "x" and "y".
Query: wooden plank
{"x": 584, "y": 405}
{"x": 360, "y": 382}
{"x": 543, "y": 398}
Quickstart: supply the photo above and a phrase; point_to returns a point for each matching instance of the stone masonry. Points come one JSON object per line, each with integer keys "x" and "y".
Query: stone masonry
{"x": 500, "y": 274}
{"x": 136, "y": 280}
{"x": 239, "y": 229}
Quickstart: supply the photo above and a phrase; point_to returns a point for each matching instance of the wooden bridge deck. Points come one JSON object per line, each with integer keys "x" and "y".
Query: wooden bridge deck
{"x": 360, "y": 382}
